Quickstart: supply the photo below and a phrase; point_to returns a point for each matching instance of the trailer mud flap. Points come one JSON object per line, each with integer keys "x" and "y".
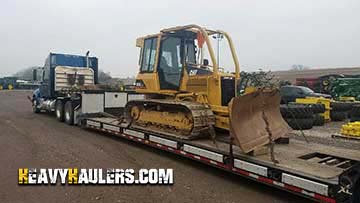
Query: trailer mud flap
{"x": 255, "y": 119}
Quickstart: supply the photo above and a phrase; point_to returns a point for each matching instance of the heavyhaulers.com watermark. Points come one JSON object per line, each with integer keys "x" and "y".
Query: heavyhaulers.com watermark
{"x": 75, "y": 176}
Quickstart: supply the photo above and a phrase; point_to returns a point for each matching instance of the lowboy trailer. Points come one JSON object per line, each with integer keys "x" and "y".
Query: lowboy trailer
{"x": 318, "y": 172}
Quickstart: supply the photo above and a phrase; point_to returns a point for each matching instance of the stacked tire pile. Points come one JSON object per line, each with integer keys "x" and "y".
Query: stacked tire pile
{"x": 318, "y": 109}
{"x": 298, "y": 116}
{"x": 339, "y": 110}
{"x": 355, "y": 113}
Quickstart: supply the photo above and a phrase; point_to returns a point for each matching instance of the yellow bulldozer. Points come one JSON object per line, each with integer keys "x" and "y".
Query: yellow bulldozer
{"x": 188, "y": 96}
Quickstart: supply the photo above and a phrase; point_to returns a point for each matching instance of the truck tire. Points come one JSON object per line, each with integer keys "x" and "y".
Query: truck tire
{"x": 338, "y": 115}
{"x": 318, "y": 108}
{"x": 319, "y": 120}
{"x": 296, "y": 111}
{"x": 300, "y": 123}
{"x": 341, "y": 106}
{"x": 35, "y": 108}
{"x": 69, "y": 113}
{"x": 59, "y": 110}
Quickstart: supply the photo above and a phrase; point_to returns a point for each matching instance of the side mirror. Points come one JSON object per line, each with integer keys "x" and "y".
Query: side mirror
{"x": 206, "y": 62}
{"x": 34, "y": 71}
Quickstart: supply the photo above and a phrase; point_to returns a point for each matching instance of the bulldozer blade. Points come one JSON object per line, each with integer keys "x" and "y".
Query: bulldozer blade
{"x": 255, "y": 119}
{"x": 277, "y": 125}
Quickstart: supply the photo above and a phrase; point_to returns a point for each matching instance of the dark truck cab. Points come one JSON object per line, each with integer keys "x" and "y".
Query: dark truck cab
{"x": 289, "y": 93}
{"x": 61, "y": 78}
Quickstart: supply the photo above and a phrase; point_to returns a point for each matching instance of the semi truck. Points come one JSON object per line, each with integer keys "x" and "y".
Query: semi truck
{"x": 61, "y": 79}
{"x": 184, "y": 105}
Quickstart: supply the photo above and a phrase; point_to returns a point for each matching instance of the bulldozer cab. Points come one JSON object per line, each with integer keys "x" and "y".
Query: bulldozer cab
{"x": 175, "y": 54}
{"x": 170, "y": 67}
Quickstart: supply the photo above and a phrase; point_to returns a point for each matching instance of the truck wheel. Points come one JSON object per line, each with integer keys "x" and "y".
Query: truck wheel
{"x": 69, "y": 113}
{"x": 35, "y": 108}
{"x": 59, "y": 110}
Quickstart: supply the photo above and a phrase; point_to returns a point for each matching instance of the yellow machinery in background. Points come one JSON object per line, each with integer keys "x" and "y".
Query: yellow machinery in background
{"x": 317, "y": 100}
{"x": 10, "y": 87}
{"x": 351, "y": 129}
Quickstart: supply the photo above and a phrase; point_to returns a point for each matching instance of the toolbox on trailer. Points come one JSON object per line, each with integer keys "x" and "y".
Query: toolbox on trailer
{"x": 319, "y": 172}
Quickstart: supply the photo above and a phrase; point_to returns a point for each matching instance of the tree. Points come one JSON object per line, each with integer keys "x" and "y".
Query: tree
{"x": 26, "y": 74}
{"x": 104, "y": 77}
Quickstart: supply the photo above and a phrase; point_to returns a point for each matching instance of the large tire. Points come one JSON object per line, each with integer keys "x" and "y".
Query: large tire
{"x": 296, "y": 111}
{"x": 317, "y": 108}
{"x": 355, "y": 111}
{"x": 341, "y": 106}
{"x": 338, "y": 115}
{"x": 300, "y": 124}
{"x": 319, "y": 120}
{"x": 354, "y": 119}
{"x": 69, "y": 113}
{"x": 356, "y": 193}
{"x": 59, "y": 110}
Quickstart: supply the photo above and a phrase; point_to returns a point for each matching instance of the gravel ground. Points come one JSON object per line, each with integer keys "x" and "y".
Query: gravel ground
{"x": 323, "y": 135}
{"x": 39, "y": 141}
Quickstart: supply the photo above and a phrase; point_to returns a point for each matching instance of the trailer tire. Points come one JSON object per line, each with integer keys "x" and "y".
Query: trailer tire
{"x": 300, "y": 123}
{"x": 69, "y": 113}
{"x": 319, "y": 120}
{"x": 338, "y": 115}
{"x": 59, "y": 110}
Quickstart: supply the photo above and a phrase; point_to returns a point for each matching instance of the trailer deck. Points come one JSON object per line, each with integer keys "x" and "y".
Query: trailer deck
{"x": 311, "y": 170}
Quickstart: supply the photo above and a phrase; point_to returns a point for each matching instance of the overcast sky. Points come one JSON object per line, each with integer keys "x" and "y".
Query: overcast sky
{"x": 273, "y": 34}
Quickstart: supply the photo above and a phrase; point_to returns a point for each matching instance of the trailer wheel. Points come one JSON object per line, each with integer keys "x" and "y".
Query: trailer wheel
{"x": 69, "y": 113}
{"x": 59, "y": 110}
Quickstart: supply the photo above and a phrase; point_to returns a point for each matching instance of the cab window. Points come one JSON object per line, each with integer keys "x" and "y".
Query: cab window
{"x": 149, "y": 52}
